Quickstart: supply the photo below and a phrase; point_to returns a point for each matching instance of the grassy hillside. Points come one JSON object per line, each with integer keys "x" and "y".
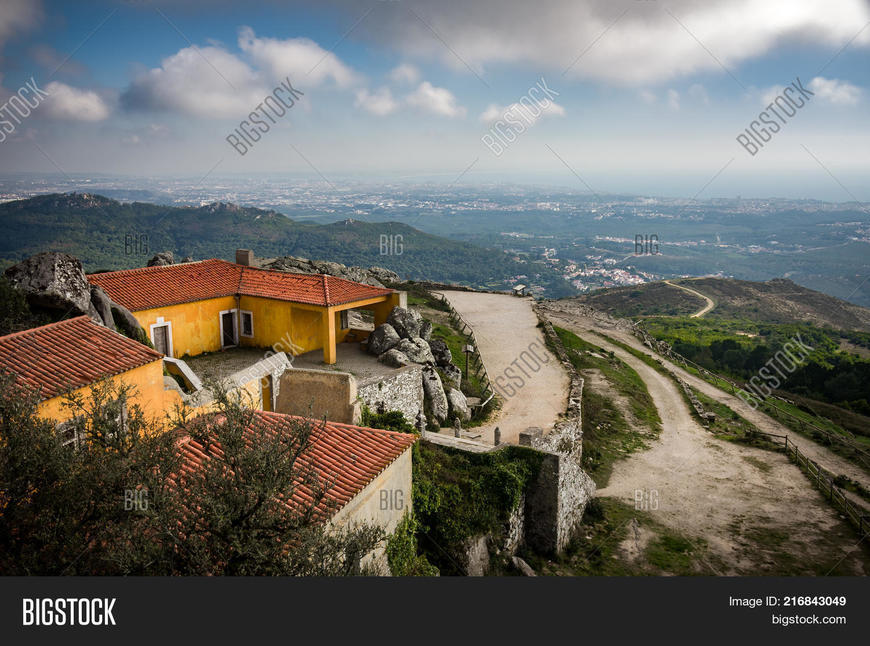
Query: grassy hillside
{"x": 777, "y": 301}
{"x": 106, "y": 234}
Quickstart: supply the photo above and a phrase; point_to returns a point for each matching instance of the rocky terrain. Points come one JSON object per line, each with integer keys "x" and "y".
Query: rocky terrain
{"x": 405, "y": 338}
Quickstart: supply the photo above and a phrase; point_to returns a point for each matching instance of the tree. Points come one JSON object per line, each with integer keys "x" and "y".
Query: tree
{"x": 120, "y": 503}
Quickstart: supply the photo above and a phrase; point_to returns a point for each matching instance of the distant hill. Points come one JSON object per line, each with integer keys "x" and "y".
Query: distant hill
{"x": 106, "y": 234}
{"x": 775, "y": 301}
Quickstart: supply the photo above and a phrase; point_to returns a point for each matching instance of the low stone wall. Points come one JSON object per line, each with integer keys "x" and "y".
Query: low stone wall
{"x": 401, "y": 391}
{"x": 319, "y": 394}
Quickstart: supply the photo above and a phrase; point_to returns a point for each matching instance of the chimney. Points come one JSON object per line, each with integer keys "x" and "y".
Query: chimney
{"x": 245, "y": 257}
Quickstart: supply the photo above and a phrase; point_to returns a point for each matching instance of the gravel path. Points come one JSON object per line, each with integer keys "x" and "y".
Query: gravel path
{"x": 505, "y": 326}
{"x": 756, "y": 512}
{"x": 709, "y": 306}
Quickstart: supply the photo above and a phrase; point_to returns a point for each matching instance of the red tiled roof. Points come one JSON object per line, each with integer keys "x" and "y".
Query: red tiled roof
{"x": 149, "y": 287}
{"x": 70, "y": 354}
{"x": 344, "y": 457}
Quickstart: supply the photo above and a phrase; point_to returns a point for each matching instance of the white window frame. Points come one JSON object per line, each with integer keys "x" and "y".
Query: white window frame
{"x": 242, "y": 324}
{"x": 161, "y": 323}
{"x": 233, "y": 311}
{"x": 344, "y": 320}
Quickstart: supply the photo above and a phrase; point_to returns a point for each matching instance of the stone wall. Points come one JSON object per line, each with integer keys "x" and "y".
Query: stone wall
{"x": 402, "y": 391}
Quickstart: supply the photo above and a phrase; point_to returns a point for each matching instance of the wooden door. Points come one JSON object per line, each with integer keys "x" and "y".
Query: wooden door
{"x": 161, "y": 339}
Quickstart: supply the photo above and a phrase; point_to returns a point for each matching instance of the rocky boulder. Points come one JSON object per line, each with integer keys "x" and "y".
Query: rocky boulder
{"x": 394, "y": 359}
{"x": 161, "y": 259}
{"x": 127, "y": 323}
{"x": 406, "y": 322}
{"x": 452, "y": 375}
{"x": 53, "y": 281}
{"x": 433, "y": 391}
{"x": 382, "y": 339}
{"x": 384, "y": 275}
{"x": 441, "y": 352}
{"x": 375, "y": 276}
{"x": 458, "y": 405}
{"x": 426, "y": 330}
{"x": 417, "y": 350}
{"x": 103, "y": 304}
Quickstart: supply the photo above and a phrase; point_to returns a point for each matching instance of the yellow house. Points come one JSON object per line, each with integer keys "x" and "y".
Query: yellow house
{"x": 204, "y": 306}
{"x": 71, "y": 355}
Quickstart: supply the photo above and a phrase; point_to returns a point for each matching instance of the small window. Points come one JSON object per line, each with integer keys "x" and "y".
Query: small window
{"x": 344, "y": 321}
{"x": 247, "y": 324}
{"x": 68, "y": 434}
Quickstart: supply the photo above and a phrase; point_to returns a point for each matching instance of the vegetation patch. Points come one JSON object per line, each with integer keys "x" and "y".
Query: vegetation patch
{"x": 459, "y": 495}
{"x": 599, "y": 549}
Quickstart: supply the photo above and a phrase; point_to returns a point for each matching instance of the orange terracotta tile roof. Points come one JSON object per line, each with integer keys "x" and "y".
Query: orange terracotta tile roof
{"x": 150, "y": 287}
{"x": 344, "y": 456}
{"x": 70, "y": 354}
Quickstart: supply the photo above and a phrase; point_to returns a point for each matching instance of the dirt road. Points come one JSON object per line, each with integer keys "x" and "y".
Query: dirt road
{"x": 754, "y": 510}
{"x": 709, "y": 306}
{"x": 505, "y": 326}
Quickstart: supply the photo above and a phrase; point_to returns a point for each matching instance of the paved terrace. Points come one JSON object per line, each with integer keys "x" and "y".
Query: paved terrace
{"x": 350, "y": 357}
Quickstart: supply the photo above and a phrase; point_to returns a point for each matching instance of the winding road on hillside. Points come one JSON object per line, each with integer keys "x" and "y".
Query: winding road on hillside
{"x": 709, "y": 306}
{"x": 506, "y": 326}
{"x": 732, "y": 497}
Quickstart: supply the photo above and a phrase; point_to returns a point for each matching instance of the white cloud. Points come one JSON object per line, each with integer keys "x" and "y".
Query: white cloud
{"x": 647, "y": 97}
{"x": 769, "y": 95}
{"x": 205, "y": 82}
{"x": 436, "y": 100}
{"x": 17, "y": 16}
{"x": 303, "y": 60}
{"x": 642, "y": 46}
{"x": 699, "y": 94}
{"x": 74, "y": 104}
{"x": 529, "y": 113}
{"x": 835, "y": 91}
{"x": 405, "y": 73}
{"x": 673, "y": 100}
{"x": 380, "y": 102}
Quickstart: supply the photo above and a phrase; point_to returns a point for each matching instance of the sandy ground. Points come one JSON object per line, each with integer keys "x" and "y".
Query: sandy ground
{"x": 505, "y": 326}
{"x": 709, "y": 306}
{"x": 725, "y": 494}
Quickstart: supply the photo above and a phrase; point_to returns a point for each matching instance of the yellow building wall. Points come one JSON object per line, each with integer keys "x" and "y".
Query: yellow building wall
{"x": 195, "y": 326}
{"x": 148, "y": 393}
{"x": 283, "y": 326}
{"x": 288, "y": 327}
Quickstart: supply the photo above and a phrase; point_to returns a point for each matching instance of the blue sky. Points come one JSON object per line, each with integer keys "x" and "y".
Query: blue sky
{"x": 645, "y": 96}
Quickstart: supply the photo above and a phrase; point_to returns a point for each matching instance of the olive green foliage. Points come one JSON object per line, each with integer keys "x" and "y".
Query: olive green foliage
{"x": 402, "y": 553}
{"x": 392, "y": 420}
{"x": 66, "y": 509}
{"x": 458, "y": 495}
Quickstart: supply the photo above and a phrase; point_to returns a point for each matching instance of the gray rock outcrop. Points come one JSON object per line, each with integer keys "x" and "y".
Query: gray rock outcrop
{"x": 161, "y": 259}
{"x": 103, "y": 304}
{"x": 426, "y": 330}
{"x": 382, "y": 339}
{"x": 440, "y": 352}
{"x": 394, "y": 358}
{"x": 453, "y": 375}
{"x": 127, "y": 323}
{"x": 376, "y": 276}
{"x": 458, "y": 405}
{"x": 417, "y": 350}
{"x": 434, "y": 394}
{"x": 55, "y": 282}
{"x": 406, "y": 322}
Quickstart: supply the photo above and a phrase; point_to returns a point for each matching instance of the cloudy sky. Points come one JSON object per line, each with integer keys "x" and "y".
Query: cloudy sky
{"x": 639, "y": 95}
